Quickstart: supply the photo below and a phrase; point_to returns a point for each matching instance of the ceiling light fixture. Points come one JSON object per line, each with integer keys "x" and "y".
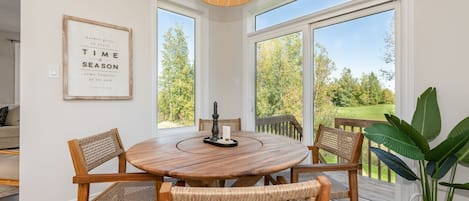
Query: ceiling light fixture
{"x": 226, "y": 3}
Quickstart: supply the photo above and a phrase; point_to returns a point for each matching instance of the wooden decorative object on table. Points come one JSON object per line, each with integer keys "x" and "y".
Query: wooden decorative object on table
{"x": 215, "y": 139}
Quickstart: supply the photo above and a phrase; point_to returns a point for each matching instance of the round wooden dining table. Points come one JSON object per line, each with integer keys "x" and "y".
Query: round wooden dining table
{"x": 186, "y": 156}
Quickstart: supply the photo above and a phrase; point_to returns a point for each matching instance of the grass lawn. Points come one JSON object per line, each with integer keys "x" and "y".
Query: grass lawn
{"x": 372, "y": 112}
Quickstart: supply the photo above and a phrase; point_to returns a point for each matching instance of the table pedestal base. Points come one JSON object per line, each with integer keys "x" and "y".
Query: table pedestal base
{"x": 242, "y": 181}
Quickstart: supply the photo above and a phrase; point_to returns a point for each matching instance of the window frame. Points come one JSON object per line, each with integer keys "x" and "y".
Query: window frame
{"x": 307, "y": 109}
{"x": 360, "y": 14}
{"x": 249, "y": 77}
{"x": 338, "y": 10}
{"x": 199, "y": 14}
{"x": 278, "y": 4}
{"x": 404, "y": 60}
{"x": 343, "y": 12}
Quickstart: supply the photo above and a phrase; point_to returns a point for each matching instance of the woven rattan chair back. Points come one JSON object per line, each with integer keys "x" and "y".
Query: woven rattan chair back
{"x": 95, "y": 150}
{"x": 90, "y": 152}
{"x": 98, "y": 149}
{"x": 234, "y": 124}
{"x": 339, "y": 142}
{"x": 313, "y": 190}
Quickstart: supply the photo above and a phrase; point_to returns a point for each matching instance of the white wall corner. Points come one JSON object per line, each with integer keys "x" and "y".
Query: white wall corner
{"x": 405, "y": 86}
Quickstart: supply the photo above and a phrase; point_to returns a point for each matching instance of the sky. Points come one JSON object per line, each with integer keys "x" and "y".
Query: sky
{"x": 357, "y": 44}
{"x": 167, "y": 20}
{"x": 293, "y": 10}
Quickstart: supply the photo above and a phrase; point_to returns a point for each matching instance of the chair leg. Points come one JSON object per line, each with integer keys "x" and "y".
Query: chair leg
{"x": 266, "y": 180}
{"x": 165, "y": 192}
{"x": 158, "y": 188}
{"x": 83, "y": 192}
{"x": 294, "y": 176}
{"x": 221, "y": 183}
{"x": 353, "y": 185}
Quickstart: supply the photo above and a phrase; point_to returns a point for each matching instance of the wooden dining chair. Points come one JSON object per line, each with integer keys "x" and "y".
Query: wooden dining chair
{"x": 347, "y": 145}
{"x": 313, "y": 190}
{"x": 90, "y": 152}
{"x": 234, "y": 124}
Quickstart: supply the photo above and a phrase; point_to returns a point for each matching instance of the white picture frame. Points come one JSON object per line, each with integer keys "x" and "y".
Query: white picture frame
{"x": 97, "y": 60}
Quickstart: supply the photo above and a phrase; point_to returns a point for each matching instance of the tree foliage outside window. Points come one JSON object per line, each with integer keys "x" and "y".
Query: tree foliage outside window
{"x": 176, "y": 92}
{"x": 279, "y": 82}
{"x": 279, "y": 78}
{"x": 324, "y": 109}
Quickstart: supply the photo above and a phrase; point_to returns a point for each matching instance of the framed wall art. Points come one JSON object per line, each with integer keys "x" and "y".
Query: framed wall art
{"x": 97, "y": 60}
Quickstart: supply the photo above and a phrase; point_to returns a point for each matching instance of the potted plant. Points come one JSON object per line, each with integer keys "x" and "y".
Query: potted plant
{"x": 411, "y": 141}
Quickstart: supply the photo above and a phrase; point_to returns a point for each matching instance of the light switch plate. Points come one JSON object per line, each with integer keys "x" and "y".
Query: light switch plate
{"x": 53, "y": 70}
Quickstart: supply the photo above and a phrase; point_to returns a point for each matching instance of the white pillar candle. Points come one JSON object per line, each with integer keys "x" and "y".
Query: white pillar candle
{"x": 226, "y": 133}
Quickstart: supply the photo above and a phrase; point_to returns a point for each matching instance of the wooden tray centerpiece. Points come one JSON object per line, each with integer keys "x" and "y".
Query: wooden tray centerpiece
{"x": 215, "y": 139}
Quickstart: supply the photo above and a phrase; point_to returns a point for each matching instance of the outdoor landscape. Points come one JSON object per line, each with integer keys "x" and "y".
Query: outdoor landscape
{"x": 338, "y": 90}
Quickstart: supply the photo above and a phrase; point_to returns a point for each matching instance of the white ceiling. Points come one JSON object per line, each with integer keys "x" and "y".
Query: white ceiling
{"x": 10, "y": 15}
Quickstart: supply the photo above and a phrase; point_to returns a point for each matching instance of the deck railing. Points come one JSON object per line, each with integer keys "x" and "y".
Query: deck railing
{"x": 372, "y": 162}
{"x": 287, "y": 125}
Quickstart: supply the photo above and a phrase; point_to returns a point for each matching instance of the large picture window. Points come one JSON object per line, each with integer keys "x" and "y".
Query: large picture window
{"x": 354, "y": 78}
{"x": 354, "y": 62}
{"x": 176, "y": 70}
{"x": 333, "y": 65}
{"x": 279, "y": 77}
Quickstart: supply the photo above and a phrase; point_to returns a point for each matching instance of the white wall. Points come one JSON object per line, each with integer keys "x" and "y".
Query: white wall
{"x": 441, "y": 52}
{"x": 226, "y": 61}
{"x": 7, "y": 66}
{"x": 441, "y": 60}
{"x": 48, "y": 121}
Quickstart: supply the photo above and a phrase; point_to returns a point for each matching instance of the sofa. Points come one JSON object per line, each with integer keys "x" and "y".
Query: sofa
{"x": 10, "y": 132}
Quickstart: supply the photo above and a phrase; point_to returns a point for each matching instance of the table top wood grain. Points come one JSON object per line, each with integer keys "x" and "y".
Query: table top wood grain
{"x": 186, "y": 156}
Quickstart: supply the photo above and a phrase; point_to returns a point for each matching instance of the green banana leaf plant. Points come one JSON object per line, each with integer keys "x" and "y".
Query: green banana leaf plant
{"x": 411, "y": 141}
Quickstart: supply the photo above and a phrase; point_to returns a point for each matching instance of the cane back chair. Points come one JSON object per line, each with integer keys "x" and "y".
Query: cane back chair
{"x": 234, "y": 124}
{"x": 313, "y": 190}
{"x": 345, "y": 144}
{"x": 90, "y": 152}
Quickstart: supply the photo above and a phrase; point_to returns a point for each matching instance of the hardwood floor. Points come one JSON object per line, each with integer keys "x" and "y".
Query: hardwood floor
{"x": 368, "y": 189}
{"x": 14, "y": 197}
{"x": 7, "y": 191}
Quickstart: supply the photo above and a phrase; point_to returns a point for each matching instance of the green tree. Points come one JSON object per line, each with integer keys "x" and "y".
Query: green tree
{"x": 371, "y": 89}
{"x": 279, "y": 75}
{"x": 387, "y": 97}
{"x": 176, "y": 81}
{"x": 343, "y": 94}
{"x": 324, "y": 109}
